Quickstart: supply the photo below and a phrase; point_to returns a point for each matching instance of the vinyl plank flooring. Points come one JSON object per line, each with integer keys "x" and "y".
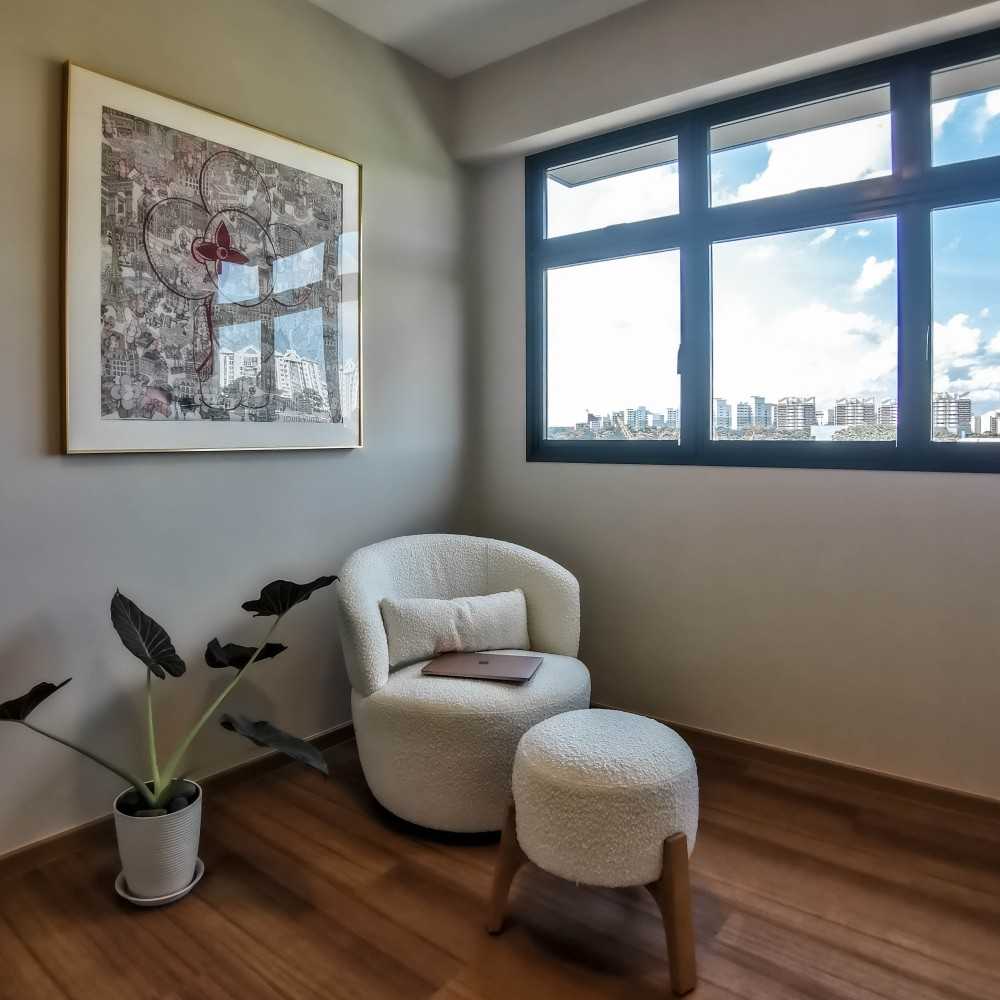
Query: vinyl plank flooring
{"x": 803, "y": 887}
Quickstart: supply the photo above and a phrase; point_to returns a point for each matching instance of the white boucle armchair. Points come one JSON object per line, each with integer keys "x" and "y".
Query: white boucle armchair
{"x": 439, "y": 751}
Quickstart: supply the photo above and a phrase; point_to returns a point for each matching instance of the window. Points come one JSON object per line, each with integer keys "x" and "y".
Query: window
{"x": 965, "y": 113}
{"x": 613, "y": 335}
{"x": 965, "y": 405}
{"x": 629, "y": 186}
{"x": 835, "y": 141}
{"x": 804, "y": 334}
{"x": 809, "y": 276}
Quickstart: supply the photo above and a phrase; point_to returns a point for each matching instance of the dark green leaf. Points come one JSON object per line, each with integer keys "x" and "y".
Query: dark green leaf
{"x": 18, "y": 709}
{"x": 265, "y": 735}
{"x": 145, "y": 638}
{"x": 233, "y": 655}
{"x": 277, "y": 597}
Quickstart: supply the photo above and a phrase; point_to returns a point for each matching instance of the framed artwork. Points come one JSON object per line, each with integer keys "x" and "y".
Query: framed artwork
{"x": 212, "y": 280}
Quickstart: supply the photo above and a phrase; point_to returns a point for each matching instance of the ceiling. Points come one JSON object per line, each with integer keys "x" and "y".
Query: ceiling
{"x": 455, "y": 37}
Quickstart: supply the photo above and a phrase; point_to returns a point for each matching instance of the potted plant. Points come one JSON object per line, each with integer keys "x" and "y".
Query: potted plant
{"x": 158, "y": 821}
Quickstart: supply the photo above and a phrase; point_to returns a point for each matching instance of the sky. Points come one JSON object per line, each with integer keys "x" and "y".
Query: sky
{"x": 804, "y": 313}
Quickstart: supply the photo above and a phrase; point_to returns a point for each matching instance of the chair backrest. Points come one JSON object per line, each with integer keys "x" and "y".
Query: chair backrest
{"x": 447, "y": 566}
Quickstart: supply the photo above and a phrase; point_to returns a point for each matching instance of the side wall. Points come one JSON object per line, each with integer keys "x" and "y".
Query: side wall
{"x": 843, "y": 614}
{"x": 192, "y": 536}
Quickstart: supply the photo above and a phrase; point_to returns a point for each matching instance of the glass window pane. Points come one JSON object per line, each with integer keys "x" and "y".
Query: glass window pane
{"x": 628, "y": 186}
{"x": 965, "y": 113}
{"x": 804, "y": 335}
{"x": 612, "y": 338}
{"x": 966, "y": 345}
{"x": 835, "y": 141}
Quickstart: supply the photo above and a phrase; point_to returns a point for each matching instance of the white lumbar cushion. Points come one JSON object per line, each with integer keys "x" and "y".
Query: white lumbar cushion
{"x": 419, "y": 628}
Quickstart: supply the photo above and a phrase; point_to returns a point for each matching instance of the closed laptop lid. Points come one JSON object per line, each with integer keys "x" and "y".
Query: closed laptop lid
{"x": 484, "y": 666}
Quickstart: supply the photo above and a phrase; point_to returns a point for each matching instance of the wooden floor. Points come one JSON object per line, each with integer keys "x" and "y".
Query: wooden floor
{"x": 312, "y": 892}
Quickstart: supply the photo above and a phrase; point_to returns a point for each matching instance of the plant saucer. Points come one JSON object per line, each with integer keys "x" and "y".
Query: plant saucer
{"x": 122, "y": 889}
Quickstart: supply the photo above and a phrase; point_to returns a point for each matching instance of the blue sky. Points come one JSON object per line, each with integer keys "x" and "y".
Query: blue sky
{"x": 966, "y": 285}
{"x": 807, "y": 313}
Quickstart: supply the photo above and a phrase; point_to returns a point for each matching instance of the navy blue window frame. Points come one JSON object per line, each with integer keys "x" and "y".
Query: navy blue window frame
{"x": 911, "y": 193}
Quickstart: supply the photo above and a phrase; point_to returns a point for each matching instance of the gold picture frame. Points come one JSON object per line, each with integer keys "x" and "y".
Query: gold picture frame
{"x": 211, "y": 280}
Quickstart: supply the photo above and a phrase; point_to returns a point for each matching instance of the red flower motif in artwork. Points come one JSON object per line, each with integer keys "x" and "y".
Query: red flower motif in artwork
{"x": 220, "y": 251}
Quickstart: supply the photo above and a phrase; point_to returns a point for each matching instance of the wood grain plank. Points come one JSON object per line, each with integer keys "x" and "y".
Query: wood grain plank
{"x": 804, "y": 886}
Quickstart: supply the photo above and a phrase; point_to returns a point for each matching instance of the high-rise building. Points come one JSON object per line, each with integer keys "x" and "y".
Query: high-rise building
{"x": 656, "y": 420}
{"x": 294, "y": 373}
{"x": 745, "y": 415}
{"x": 853, "y": 410}
{"x": 636, "y": 418}
{"x": 952, "y": 412}
{"x": 987, "y": 423}
{"x": 348, "y": 386}
{"x": 887, "y": 412}
{"x": 759, "y": 411}
{"x": 723, "y": 415}
{"x": 671, "y": 418}
{"x": 770, "y": 415}
{"x": 796, "y": 413}
{"x": 234, "y": 365}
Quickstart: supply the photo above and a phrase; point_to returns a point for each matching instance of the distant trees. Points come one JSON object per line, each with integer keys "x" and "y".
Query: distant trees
{"x": 866, "y": 432}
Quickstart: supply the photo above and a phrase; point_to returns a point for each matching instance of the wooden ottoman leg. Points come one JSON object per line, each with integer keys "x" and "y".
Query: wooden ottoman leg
{"x": 509, "y": 860}
{"x": 673, "y": 896}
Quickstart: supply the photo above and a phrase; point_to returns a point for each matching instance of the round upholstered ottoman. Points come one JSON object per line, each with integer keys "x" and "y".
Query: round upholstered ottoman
{"x": 611, "y": 799}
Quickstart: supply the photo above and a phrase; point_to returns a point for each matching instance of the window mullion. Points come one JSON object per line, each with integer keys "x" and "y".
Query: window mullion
{"x": 911, "y": 153}
{"x": 694, "y": 361}
{"x": 913, "y": 431}
{"x": 535, "y": 378}
{"x": 625, "y": 240}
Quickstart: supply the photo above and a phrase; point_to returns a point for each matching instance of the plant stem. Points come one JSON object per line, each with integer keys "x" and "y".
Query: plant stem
{"x": 151, "y": 728}
{"x": 170, "y": 768}
{"x": 139, "y": 785}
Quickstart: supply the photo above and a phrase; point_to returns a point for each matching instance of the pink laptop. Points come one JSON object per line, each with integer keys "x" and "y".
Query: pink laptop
{"x": 484, "y": 666}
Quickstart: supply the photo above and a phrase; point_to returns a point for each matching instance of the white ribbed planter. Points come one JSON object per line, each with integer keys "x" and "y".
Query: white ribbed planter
{"x": 159, "y": 853}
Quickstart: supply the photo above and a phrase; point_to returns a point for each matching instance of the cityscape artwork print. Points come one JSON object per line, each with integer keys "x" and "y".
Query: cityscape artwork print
{"x": 228, "y": 305}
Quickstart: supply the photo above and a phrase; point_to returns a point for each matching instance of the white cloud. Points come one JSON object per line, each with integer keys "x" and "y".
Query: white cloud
{"x": 613, "y": 334}
{"x": 960, "y": 362}
{"x": 814, "y": 349}
{"x": 632, "y": 197}
{"x": 873, "y": 273}
{"x": 956, "y": 343}
{"x": 834, "y": 155}
{"x": 984, "y": 312}
{"x": 941, "y": 111}
{"x": 986, "y": 114}
{"x": 792, "y": 330}
{"x": 826, "y": 234}
{"x": 864, "y": 233}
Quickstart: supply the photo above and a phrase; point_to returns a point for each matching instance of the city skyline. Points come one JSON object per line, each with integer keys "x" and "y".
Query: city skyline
{"x": 851, "y": 417}
{"x": 815, "y": 309}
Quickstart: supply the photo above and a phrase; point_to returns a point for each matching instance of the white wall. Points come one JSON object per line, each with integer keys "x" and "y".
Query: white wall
{"x": 667, "y": 55}
{"x": 850, "y": 615}
{"x": 192, "y": 536}
{"x": 846, "y": 614}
